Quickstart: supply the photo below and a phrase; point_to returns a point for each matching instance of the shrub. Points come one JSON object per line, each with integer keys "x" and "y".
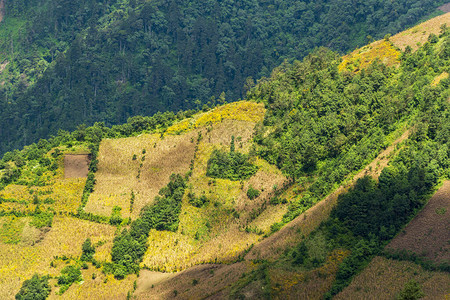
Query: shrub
{"x": 36, "y": 288}
{"x": 252, "y": 193}
{"x": 88, "y": 250}
{"x": 230, "y": 165}
{"x": 43, "y": 219}
{"x": 116, "y": 217}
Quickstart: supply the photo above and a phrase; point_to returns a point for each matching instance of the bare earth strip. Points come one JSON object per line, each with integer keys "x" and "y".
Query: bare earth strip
{"x": 429, "y": 232}
{"x": 384, "y": 278}
{"x": 76, "y": 166}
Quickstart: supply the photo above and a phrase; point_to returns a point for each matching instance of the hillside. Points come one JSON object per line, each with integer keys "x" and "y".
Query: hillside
{"x": 300, "y": 191}
{"x": 65, "y": 63}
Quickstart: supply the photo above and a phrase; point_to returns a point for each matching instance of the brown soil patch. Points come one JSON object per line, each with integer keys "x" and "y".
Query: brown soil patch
{"x": 429, "y": 232}
{"x": 305, "y": 223}
{"x": 418, "y": 35}
{"x": 76, "y": 166}
{"x": 384, "y": 279}
{"x": 445, "y": 8}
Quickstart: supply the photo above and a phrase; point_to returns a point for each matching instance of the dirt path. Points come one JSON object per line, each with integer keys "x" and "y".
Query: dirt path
{"x": 76, "y": 166}
{"x": 429, "y": 232}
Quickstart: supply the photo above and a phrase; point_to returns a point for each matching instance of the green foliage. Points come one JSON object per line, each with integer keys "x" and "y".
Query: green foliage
{"x": 253, "y": 193}
{"x": 230, "y": 165}
{"x": 411, "y": 291}
{"x": 69, "y": 275}
{"x": 36, "y": 288}
{"x": 197, "y": 201}
{"x": 88, "y": 250}
{"x": 129, "y": 247}
{"x": 116, "y": 217}
{"x": 42, "y": 219}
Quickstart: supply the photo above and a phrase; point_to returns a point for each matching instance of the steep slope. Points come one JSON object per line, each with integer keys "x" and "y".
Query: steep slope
{"x": 258, "y": 178}
{"x": 73, "y": 62}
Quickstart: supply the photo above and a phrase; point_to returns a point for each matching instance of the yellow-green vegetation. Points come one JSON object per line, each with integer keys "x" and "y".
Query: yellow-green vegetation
{"x": 11, "y": 229}
{"x": 63, "y": 195}
{"x": 36, "y": 250}
{"x": 306, "y": 284}
{"x": 375, "y": 282}
{"x": 215, "y": 232}
{"x": 362, "y": 58}
{"x": 437, "y": 79}
{"x": 239, "y": 111}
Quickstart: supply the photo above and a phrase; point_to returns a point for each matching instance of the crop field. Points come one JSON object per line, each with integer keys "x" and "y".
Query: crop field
{"x": 418, "y": 35}
{"x": 428, "y": 233}
{"x": 140, "y": 165}
{"x": 32, "y": 250}
{"x": 375, "y": 282}
{"x": 101, "y": 287}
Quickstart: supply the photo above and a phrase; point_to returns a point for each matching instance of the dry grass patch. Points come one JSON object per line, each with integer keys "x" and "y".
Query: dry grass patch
{"x": 19, "y": 262}
{"x": 418, "y": 35}
{"x": 102, "y": 287}
{"x": 376, "y": 281}
{"x": 362, "y": 58}
{"x": 119, "y": 175}
{"x": 428, "y": 233}
{"x": 211, "y": 282}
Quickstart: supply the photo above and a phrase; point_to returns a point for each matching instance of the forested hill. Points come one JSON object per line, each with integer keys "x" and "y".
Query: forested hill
{"x": 80, "y": 61}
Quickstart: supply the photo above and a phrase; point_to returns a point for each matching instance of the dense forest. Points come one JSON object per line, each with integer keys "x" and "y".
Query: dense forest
{"x": 73, "y": 62}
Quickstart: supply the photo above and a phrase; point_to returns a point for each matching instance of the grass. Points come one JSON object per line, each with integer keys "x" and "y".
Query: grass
{"x": 363, "y": 57}
{"x": 375, "y": 282}
{"x": 62, "y": 195}
{"x": 312, "y": 284}
{"x": 11, "y": 229}
{"x": 119, "y": 175}
{"x": 418, "y": 35}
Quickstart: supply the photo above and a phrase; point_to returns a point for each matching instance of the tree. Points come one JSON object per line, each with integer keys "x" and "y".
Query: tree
{"x": 411, "y": 291}
{"x": 88, "y": 250}
{"x": 36, "y": 288}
